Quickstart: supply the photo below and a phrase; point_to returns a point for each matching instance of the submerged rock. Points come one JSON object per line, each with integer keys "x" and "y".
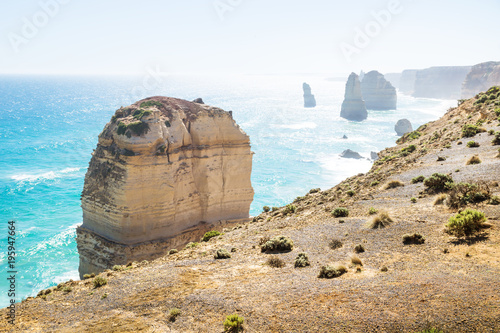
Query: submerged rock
{"x": 164, "y": 172}
{"x": 378, "y": 93}
{"x": 353, "y": 107}
{"x": 309, "y": 100}
{"x": 403, "y": 126}
{"x": 350, "y": 154}
{"x": 374, "y": 156}
{"x": 344, "y": 137}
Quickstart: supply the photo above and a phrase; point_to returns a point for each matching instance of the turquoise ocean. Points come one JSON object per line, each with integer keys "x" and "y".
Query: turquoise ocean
{"x": 49, "y": 127}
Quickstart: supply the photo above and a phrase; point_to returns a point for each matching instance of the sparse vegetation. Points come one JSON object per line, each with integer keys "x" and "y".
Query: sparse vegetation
{"x": 277, "y": 244}
{"x": 419, "y": 179}
{"x": 100, "y": 281}
{"x": 148, "y": 104}
{"x": 266, "y": 209}
{"x": 173, "y": 314}
{"x": 359, "y": 248}
{"x": 314, "y": 190}
{"x": 275, "y": 261}
{"x": 473, "y": 160}
{"x": 408, "y": 150}
{"x": 330, "y": 272}
{"x": 496, "y": 139}
{"x": 382, "y": 220}
{"x": 413, "y": 239}
{"x": 139, "y": 113}
{"x": 469, "y": 131}
{"x": 440, "y": 199}
{"x": 465, "y": 223}
{"x": 173, "y": 251}
{"x": 383, "y": 269}
{"x": 191, "y": 245}
{"x": 289, "y": 209}
{"x": 67, "y": 289}
{"x": 393, "y": 184}
{"x": 233, "y": 323}
{"x": 340, "y": 212}
{"x": 410, "y": 136}
{"x": 88, "y": 276}
{"x": 462, "y": 194}
{"x": 222, "y": 254}
{"x": 356, "y": 261}
{"x": 372, "y": 211}
{"x": 375, "y": 183}
{"x": 351, "y": 193}
{"x": 335, "y": 244}
{"x": 472, "y": 144}
{"x": 302, "y": 260}
{"x": 209, "y": 235}
{"x": 413, "y": 199}
{"x": 138, "y": 127}
{"x": 438, "y": 182}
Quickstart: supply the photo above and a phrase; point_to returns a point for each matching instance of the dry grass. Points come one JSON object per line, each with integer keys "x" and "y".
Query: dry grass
{"x": 275, "y": 262}
{"x": 335, "y": 244}
{"x": 382, "y": 220}
{"x": 474, "y": 160}
{"x": 440, "y": 199}
{"x": 356, "y": 261}
{"x": 393, "y": 184}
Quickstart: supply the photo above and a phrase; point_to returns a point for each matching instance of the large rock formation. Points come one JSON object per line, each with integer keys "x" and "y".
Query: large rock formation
{"x": 350, "y": 154}
{"x": 309, "y": 100}
{"x": 164, "y": 172}
{"x": 403, "y": 126}
{"x": 407, "y": 81}
{"x": 353, "y": 107}
{"x": 480, "y": 78}
{"x": 440, "y": 82}
{"x": 378, "y": 93}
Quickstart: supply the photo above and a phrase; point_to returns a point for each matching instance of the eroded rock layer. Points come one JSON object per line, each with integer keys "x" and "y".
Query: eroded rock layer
{"x": 378, "y": 93}
{"x": 480, "y": 78}
{"x": 163, "y": 169}
{"x": 353, "y": 106}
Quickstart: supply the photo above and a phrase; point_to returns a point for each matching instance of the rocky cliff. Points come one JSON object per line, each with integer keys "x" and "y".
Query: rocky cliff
{"x": 378, "y": 93}
{"x": 353, "y": 107}
{"x": 440, "y": 82}
{"x": 164, "y": 171}
{"x": 309, "y": 100}
{"x": 407, "y": 81}
{"x": 480, "y": 78}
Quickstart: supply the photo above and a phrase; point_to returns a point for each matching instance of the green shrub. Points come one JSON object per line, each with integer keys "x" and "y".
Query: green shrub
{"x": 118, "y": 268}
{"x": 289, "y": 209}
{"x": 302, "y": 260}
{"x": 375, "y": 183}
{"x": 419, "y": 179}
{"x": 469, "y": 131}
{"x": 359, "y": 248}
{"x": 462, "y": 194}
{"x": 413, "y": 239}
{"x": 473, "y": 160}
{"x": 330, "y": 272}
{"x": 222, "y": 254}
{"x": 233, "y": 323}
{"x": 413, "y": 199}
{"x": 382, "y": 220}
{"x": 173, "y": 314}
{"x": 465, "y": 223}
{"x": 88, "y": 276}
{"x": 138, "y": 127}
{"x": 340, "y": 212}
{"x": 431, "y": 330}
{"x": 372, "y": 211}
{"x": 472, "y": 144}
{"x": 277, "y": 244}
{"x": 495, "y": 200}
{"x": 167, "y": 123}
{"x": 497, "y": 112}
{"x": 100, "y": 281}
{"x": 438, "y": 182}
{"x": 335, "y": 244}
{"x": 351, "y": 193}
{"x": 410, "y": 136}
{"x": 210, "y": 234}
{"x": 496, "y": 139}
{"x": 275, "y": 262}
{"x": 393, "y": 184}
{"x": 191, "y": 245}
{"x": 266, "y": 209}
{"x": 67, "y": 289}
{"x": 274, "y": 209}
{"x": 122, "y": 128}
{"x": 491, "y": 132}
{"x": 148, "y": 104}
{"x": 408, "y": 150}
{"x": 314, "y": 190}
{"x": 173, "y": 251}
{"x": 139, "y": 113}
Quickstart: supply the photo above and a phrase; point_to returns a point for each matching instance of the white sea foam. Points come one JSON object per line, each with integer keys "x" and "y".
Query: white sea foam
{"x": 297, "y": 126}
{"x": 23, "y": 177}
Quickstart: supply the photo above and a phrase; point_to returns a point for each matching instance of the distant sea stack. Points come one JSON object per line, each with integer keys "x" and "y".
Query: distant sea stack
{"x": 378, "y": 93}
{"x": 480, "y": 78}
{"x": 309, "y": 100}
{"x": 353, "y": 107}
{"x": 407, "y": 81}
{"x": 403, "y": 126}
{"x": 164, "y": 172}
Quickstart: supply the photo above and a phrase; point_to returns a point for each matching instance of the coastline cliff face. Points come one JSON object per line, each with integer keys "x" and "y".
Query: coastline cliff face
{"x": 353, "y": 107}
{"x": 480, "y": 78}
{"x": 164, "y": 171}
{"x": 378, "y": 93}
{"x": 309, "y": 100}
{"x": 440, "y": 82}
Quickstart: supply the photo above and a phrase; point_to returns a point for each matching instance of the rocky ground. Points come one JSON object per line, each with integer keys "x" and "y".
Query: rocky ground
{"x": 449, "y": 283}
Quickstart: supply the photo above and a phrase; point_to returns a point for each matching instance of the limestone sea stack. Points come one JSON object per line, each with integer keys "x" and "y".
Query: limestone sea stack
{"x": 378, "y": 93}
{"x": 309, "y": 100}
{"x": 403, "y": 126}
{"x": 353, "y": 107}
{"x": 480, "y": 78}
{"x": 164, "y": 172}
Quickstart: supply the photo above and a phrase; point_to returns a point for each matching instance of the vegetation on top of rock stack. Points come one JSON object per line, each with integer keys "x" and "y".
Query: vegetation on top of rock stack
{"x": 139, "y": 113}
{"x": 150, "y": 104}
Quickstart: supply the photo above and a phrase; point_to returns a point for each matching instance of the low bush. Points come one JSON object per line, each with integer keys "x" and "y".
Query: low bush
{"x": 496, "y": 139}
{"x": 473, "y": 144}
{"x": 233, "y": 323}
{"x": 408, "y": 150}
{"x": 473, "y": 160}
{"x": 419, "y": 179}
{"x": 440, "y": 199}
{"x": 375, "y": 183}
{"x": 438, "y": 182}
{"x": 121, "y": 129}
{"x": 275, "y": 262}
{"x": 340, "y": 212}
{"x": 67, "y": 289}
{"x": 99, "y": 281}
{"x": 335, "y": 244}
{"x": 173, "y": 251}
{"x": 372, "y": 211}
{"x": 302, "y": 260}
{"x": 88, "y": 276}
{"x": 277, "y": 244}
{"x": 151, "y": 103}
{"x": 356, "y": 261}
{"x": 274, "y": 209}
{"x": 351, "y": 193}
{"x": 191, "y": 245}
{"x": 383, "y": 269}
{"x": 465, "y": 223}
{"x": 469, "y": 131}
{"x": 266, "y": 209}
{"x": 413, "y": 239}
{"x": 314, "y": 190}
{"x": 359, "y": 248}
{"x": 462, "y": 194}
{"x": 138, "y": 128}
{"x": 382, "y": 220}
{"x": 139, "y": 113}
{"x": 289, "y": 209}
{"x": 330, "y": 272}
{"x": 393, "y": 184}
{"x": 209, "y": 235}
{"x": 495, "y": 200}
{"x": 222, "y": 254}
{"x": 173, "y": 314}
{"x": 413, "y": 199}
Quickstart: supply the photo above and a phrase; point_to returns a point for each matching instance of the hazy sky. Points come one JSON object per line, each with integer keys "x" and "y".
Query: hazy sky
{"x": 244, "y": 36}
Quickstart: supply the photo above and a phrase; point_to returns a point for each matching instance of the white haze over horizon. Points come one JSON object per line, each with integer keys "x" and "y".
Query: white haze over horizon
{"x": 244, "y": 36}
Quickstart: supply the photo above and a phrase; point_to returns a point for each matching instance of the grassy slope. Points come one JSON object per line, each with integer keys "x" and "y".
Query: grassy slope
{"x": 458, "y": 291}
